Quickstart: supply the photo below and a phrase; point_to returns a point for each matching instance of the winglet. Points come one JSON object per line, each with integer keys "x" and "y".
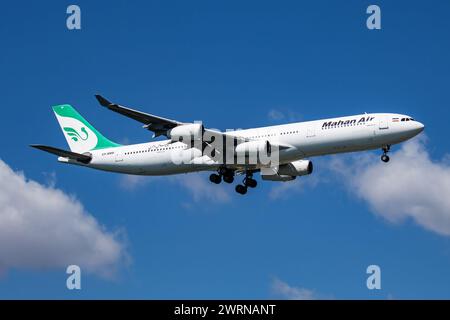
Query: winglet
{"x": 103, "y": 101}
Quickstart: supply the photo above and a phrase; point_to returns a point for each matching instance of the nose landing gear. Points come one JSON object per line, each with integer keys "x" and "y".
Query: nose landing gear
{"x": 384, "y": 156}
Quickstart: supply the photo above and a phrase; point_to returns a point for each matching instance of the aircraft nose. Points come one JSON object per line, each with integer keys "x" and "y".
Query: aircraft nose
{"x": 418, "y": 127}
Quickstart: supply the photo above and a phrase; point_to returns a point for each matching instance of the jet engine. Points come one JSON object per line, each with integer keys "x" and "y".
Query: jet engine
{"x": 253, "y": 148}
{"x": 192, "y": 131}
{"x": 296, "y": 168}
{"x": 287, "y": 172}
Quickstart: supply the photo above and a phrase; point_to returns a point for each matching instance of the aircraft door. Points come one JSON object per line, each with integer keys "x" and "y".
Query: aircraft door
{"x": 310, "y": 132}
{"x": 119, "y": 156}
{"x": 383, "y": 124}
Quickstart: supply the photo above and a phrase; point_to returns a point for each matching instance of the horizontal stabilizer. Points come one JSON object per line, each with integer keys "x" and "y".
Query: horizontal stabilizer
{"x": 63, "y": 153}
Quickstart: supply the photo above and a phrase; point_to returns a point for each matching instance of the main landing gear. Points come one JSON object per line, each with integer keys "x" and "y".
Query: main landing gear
{"x": 385, "y": 157}
{"x": 228, "y": 176}
{"x": 246, "y": 183}
{"x": 222, "y": 174}
{"x": 215, "y": 178}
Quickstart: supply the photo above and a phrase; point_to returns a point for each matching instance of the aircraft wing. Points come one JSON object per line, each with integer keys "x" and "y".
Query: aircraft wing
{"x": 158, "y": 125}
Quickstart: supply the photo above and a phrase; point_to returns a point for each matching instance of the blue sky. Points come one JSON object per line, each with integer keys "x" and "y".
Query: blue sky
{"x": 232, "y": 64}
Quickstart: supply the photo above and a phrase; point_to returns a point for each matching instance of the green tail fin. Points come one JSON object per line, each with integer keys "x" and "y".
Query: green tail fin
{"x": 80, "y": 134}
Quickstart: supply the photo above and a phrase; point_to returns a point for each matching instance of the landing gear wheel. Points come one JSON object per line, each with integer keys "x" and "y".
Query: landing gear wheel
{"x": 228, "y": 179}
{"x": 385, "y": 157}
{"x": 241, "y": 189}
{"x": 249, "y": 182}
{"x": 215, "y": 178}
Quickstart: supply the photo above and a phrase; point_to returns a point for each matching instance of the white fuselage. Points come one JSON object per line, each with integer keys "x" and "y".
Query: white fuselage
{"x": 305, "y": 139}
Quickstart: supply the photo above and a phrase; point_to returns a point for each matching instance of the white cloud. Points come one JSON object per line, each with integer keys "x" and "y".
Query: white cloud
{"x": 410, "y": 186}
{"x": 285, "y": 291}
{"x": 199, "y": 186}
{"x": 282, "y": 190}
{"x": 275, "y": 115}
{"x": 196, "y": 184}
{"x": 42, "y": 227}
{"x": 131, "y": 182}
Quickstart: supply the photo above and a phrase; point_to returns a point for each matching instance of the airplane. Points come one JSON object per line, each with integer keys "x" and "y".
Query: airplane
{"x": 227, "y": 154}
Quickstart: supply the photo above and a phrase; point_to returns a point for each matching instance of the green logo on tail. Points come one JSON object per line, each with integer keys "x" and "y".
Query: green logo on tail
{"x": 71, "y": 132}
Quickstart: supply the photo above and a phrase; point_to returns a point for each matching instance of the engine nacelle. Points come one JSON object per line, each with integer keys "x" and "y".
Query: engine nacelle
{"x": 253, "y": 148}
{"x": 287, "y": 172}
{"x": 192, "y": 131}
{"x": 277, "y": 177}
{"x": 296, "y": 168}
